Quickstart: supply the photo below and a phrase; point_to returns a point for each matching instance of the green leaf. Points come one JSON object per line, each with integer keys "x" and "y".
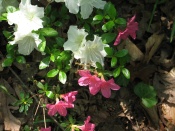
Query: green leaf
{"x": 113, "y": 61}
{"x": 120, "y": 21}
{"x": 108, "y": 37}
{"x": 126, "y": 73}
{"x": 62, "y": 77}
{"x": 52, "y": 73}
{"x": 108, "y": 26}
{"x": 42, "y": 45}
{"x": 10, "y": 9}
{"x": 99, "y": 66}
{"x": 109, "y": 51}
{"x": 121, "y": 53}
{"x": 3, "y": 88}
{"x": 146, "y": 93}
{"x": 116, "y": 72}
{"x": 21, "y": 59}
{"x": 149, "y": 102}
{"x": 49, "y": 32}
{"x": 40, "y": 85}
{"x": 44, "y": 63}
{"x": 144, "y": 90}
{"x": 110, "y": 10}
{"x": 98, "y": 18}
{"x": 50, "y": 94}
{"x": 3, "y": 16}
{"x": 21, "y": 109}
{"x": 7, "y": 34}
{"x": 7, "y": 62}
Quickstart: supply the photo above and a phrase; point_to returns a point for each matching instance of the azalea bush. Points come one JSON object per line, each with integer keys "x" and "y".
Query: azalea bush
{"x": 71, "y": 36}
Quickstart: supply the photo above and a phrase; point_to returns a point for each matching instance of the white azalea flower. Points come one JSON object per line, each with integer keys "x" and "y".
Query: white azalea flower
{"x": 76, "y": 40}
{"x": 86, "y": 6}
{"x": 26, "y": 43}
{"x": 27, "y": 18}
{"x": 93, "y": 52}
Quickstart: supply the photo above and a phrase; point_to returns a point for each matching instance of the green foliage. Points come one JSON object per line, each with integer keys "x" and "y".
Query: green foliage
{"x": 108, "y": 37}
{"x": 146, "y": 93}
{"x": 24, "y": 102}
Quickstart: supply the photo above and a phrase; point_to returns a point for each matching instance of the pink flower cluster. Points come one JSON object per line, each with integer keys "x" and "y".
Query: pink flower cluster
{"x": 131, "y": 29}
{"x": 61, "y": 105}
{"x": 96, "y": 84}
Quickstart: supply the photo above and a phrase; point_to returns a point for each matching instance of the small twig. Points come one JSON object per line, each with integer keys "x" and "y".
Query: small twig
{"x": 56, "y": 122}
{"x": 44, "y": 117}
{"x": 14, "y": 73}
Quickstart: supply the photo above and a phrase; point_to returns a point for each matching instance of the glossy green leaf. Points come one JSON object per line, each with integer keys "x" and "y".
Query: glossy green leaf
{"x": 40, "y": 85}
{"x": 116, "y": 72}
{"x": 113, "y": 61}
{"x": 99, "y": 66}
{"x": 149, "y": 102}
{"x": 42, "y": 45}
{"x": 126, "y": 73}
{"x": 50, "y": 94}
{"x": 44, "y": 63}
{"x": 7, "y": 62}
{"x": 49, "y": 32}
{"x": 109, "y": 51}
{"x": 98, "y": 18}
{"x": 121, "y": 53}
{"x": 147, "y": 94}
{"x": 120, "y": 21}
{"x": 10, "y": 9}
{"x": 110, "y": 10}
{"x": 108, "y": 37}
{"x": 21, "y": 109}
{"x": 21, "y": 59}
{"x": 52, "y": 73}
{"x": 62, "y": 77}
{"x": 108, "y": 26}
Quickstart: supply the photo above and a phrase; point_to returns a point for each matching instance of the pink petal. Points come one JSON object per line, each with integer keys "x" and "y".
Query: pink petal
{"x": 112, "y": 84}
{"x": 45, "y": 129}
{"x": 85, "y": 73}
{"x": 131, "y": 29}
{"x": 83, "y": 81}
{"x": 94, "y": 90}
{"x": 106, "y": 92}
{"x": 70, "y": 96}
{"x": 52, "y": 110}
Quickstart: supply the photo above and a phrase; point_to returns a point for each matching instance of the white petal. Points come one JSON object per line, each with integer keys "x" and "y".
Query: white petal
{"x": 76, "y": 38}
{"x": 72, "y": 5}
{"x": 86, "y": 10}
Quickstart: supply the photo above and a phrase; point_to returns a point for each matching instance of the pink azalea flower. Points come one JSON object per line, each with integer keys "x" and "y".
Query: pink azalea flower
{"x": 45, "y": 129}
{"x": 131, "y": 29}
{"x": 69, "y": 97}
{"x": 87, "y": 79}
{"x": 60, "y": 107}
{"x": 87, "y": 125}
{"x": 107, "y": 86}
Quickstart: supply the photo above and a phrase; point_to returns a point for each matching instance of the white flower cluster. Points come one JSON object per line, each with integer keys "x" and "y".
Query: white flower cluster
{"x": 26, "y": 19}
{"x": 85, "y": 5}
{"x": 89, "y": 52}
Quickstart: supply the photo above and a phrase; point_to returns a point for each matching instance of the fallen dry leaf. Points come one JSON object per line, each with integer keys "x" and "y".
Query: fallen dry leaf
{"x": 164, "y": 83}
{"x": 133, "y": 50}
{"x": 152, "y": 45}
{"x": 10, "y": 122}
{"x": 167, "y": 112}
